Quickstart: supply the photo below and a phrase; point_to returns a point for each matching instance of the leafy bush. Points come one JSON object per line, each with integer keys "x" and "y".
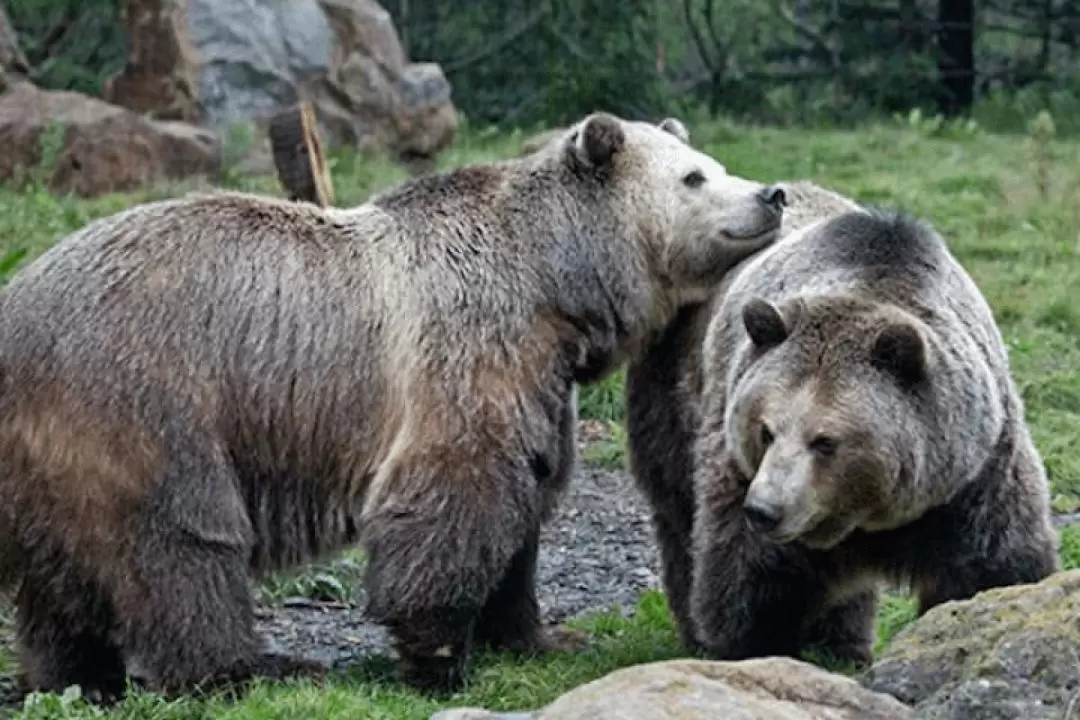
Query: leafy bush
{"x": 70, "y": 44}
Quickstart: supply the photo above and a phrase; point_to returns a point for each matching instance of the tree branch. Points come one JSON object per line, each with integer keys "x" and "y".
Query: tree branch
{"x": 720, "y": 46}
{"x": 815, "y": 37}
{"x": 499, "y": 44}
{"x": 572, "y": 46}
{"x": 695, "y": 35}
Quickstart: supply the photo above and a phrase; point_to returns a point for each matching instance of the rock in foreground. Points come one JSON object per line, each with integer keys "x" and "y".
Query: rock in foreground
{"x": 766, "y": 688}
{"x": 1006, "y": 653}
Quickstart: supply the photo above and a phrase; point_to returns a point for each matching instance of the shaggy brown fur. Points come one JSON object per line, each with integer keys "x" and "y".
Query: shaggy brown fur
{"x": 852, "y": 419}
{"x": 202, "y": 387}
{"x": 663, "y": 389}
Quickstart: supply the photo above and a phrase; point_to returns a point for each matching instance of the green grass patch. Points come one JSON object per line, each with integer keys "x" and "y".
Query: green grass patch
{"x": 604, "y": 400}
{"x": 332, "y": 580}
{"x": 369, "y": 691}
{"x": 611, "y": 452}
{"x": 1008, "y": 208}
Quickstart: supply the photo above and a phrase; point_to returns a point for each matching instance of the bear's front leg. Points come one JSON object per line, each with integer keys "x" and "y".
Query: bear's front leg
{"x": 750, "y": 597}
{"x": 950, "y": 562}
{"x": 673, "y": 532}
{"x": 845, "y": 631}
{"x": 510, "y": 619}
{"x": 434, "y": 649}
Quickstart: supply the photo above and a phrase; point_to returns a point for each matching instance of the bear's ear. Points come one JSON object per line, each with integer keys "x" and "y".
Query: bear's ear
{"x": 764, "y": 323}
{"x": 676, "y": 128}
{"x": 899, "y": 349}
{"x": 598, "y": 139}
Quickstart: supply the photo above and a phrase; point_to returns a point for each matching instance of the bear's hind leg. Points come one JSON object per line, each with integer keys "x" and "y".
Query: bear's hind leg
{"x": 844, "y": 632}
{"x": 190, "y": 619}
{"x": 450, "y": 529}
{"x": 64, "y": 625}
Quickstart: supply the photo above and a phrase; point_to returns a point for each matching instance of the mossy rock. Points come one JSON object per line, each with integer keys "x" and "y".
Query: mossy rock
{"x": 1006, "y": 653}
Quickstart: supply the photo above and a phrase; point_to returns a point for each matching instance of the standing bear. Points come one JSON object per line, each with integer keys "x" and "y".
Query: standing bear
{"x": 851, "y": 418}
{"x": 663, "y": 391}
{"x": 198, "y": 389}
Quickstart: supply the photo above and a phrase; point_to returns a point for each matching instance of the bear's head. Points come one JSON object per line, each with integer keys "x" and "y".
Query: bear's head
{"x": 827, "y": 415}
{"x": 690, "y": 219}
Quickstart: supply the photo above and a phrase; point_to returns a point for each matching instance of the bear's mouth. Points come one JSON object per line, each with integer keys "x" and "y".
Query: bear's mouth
{"x": 826, "y": 533}
{"x": 766, "y": 233}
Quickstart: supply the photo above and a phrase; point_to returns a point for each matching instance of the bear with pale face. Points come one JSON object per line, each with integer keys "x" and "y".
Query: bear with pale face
{"x": 859, "y": 424}
{"x": 203, "y": 388}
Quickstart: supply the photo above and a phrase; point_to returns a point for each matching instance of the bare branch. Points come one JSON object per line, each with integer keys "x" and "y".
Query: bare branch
{"x": 816, "y": 38}
{"x": 572, "y": 46}
{"x": 499, "y": 44}
{"x": 720, "y": 46}
{"x": 695, "y": 35}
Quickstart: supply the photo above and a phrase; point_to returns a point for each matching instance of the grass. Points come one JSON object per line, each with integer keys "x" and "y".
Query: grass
{"x": 1009, "y": 209}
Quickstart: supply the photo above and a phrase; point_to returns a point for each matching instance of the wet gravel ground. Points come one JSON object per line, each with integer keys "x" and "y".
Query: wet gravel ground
{"x": 598, "y": 552}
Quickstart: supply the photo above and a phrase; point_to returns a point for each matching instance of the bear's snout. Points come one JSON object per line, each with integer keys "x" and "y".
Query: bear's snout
{"x": 763, "y": 517}
{"x": 773, "y": 196}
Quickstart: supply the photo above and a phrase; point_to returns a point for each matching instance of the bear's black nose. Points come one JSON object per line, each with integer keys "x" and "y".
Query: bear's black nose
{"x": 763, "y": 518}
{"x": 773, "y": 196}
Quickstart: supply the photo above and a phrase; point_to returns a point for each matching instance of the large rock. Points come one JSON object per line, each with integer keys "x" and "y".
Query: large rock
{"x": 257, "y": 57}
{"x": 159, "y": 76}
{"x": 13, "y": 65}
{"x": 761, "y": 689}
{"x": 105, "y": 148}
{"x": 403, "y": 107}
{"x": 254, "y": 55}
{"x": 426, "y": 121}
{"x": 365, "y": 27}
{"x": 1006, "y": 653}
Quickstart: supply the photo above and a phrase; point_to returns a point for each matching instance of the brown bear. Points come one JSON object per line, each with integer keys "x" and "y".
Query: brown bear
{"x": 201, "y": 388}
{"x": 852, "y": 419}
{"x": 663, "y": 387}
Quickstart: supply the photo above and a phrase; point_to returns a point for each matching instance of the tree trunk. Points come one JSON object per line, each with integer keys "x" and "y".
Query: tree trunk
{"x": 716, "y": 90}
{"x": 956, "y": 63}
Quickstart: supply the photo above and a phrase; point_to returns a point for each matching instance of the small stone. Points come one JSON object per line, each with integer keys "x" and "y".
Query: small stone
{"x": 297, "y": 601}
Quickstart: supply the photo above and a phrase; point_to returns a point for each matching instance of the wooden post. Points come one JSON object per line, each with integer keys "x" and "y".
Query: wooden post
{"x": 298, "y": 155}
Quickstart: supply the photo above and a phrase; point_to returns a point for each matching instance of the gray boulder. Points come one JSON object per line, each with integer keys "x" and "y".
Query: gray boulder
{"x": 1005, "y": 654}
{"x": 257, "y": 57}
{"x": 254, "y": 55}
{"x": 759, "y": 689}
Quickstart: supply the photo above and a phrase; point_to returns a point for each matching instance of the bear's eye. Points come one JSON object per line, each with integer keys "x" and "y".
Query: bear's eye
{"x": 766, "y": 435}
{"x": 823, "y": 445}
{"x": 694, "y": 179}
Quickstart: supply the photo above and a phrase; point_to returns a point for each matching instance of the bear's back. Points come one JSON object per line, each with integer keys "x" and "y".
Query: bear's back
{"x": 855, "y": 250}
{"x": 878, "y": 256}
